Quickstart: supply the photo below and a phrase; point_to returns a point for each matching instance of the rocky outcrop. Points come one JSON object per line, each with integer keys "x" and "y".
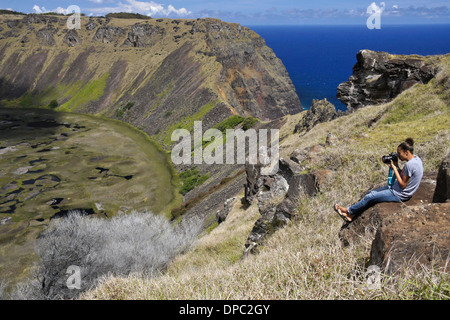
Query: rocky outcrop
{"x": 278, "y": 198}
{"x": 91, "y": 25}
{"x": 144, "y": 35}
{"x": 72, "y": 38}
{"x": 378, "y": 77}
{"x": 403, "y": 234}
{"x": 45, "y": 35}
{"x": 223, "y": 213}
{"x": 442, "y": 192}
{"x": 31, "y": 19}
{"x": 108, "y": 34}
{"x": 320, "y": 111}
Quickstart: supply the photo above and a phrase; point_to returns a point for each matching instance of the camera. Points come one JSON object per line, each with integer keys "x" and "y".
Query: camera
{"x": 387, "y": 159}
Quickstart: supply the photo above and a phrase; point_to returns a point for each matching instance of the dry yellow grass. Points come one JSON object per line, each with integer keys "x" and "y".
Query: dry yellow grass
{"x": 305, "y": 260}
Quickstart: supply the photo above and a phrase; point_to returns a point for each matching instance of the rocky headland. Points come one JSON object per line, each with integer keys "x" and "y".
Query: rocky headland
{"x": 378, "y": 77}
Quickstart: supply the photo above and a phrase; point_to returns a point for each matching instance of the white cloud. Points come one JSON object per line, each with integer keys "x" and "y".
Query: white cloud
{"x": 143, "y": 7}
{"x": 37, "y": 9}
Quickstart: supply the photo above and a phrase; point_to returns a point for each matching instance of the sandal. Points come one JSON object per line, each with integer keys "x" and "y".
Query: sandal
{"x": 340, "y": 213}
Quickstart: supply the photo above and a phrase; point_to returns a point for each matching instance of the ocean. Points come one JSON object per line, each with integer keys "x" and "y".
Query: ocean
{"x": 319, "y": 58}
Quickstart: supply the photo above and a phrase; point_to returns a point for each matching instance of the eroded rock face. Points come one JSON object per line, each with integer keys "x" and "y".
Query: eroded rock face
{"x": 223, "y": 213}
{"x": 71, "y": 38}
{"x": 239, "y": 50}
{"x": 379, "y": 77}
{"x": 278, "y": 198}
{"x": 320, "y": 111}
{"x": 108, "y": 34}
{"x": 144, "y": 35}
{"x": 46, "y": 36}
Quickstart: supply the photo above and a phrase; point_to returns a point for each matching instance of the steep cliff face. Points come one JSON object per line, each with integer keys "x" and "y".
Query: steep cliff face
{"x": 156, "y": 74}
{"x": 378, "y": 77}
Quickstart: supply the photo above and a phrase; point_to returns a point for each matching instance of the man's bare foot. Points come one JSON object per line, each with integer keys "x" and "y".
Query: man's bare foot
{"x": 344, "y": 213}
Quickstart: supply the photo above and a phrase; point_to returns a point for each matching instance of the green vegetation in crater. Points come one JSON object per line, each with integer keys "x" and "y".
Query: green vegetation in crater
{"x": 191, "y": 179}
{"x": 123, "y": 109}
{"x": 92, "y": 91}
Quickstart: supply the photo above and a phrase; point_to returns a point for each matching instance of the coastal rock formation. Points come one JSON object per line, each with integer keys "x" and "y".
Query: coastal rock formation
{"x": 278, "y": 198}
{"x": 320, "y": 111}
{"x": 378, "y": 77}
{"x": 406, "y": 233}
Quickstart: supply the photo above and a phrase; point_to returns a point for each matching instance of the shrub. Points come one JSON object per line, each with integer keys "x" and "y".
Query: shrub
{"x": 249, "y": 123}
{"x": 121, "y": 111}
{"x": 142, "y": 243}
{"x": 229, "y": 123}
{"x": 53, "y": 104}
{"x": 191, "y": 179}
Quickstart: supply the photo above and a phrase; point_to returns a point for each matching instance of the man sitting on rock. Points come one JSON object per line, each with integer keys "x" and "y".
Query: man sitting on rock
{"x": 406, "y": 184}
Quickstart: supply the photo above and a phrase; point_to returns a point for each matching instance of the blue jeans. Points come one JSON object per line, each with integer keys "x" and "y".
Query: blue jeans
{"x": 383, "y": 194}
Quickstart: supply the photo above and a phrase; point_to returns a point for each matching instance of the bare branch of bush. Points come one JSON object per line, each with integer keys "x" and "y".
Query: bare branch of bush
{"x": 140, "y": 242}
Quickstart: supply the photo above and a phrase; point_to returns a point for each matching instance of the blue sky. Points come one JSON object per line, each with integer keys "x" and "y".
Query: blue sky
{"x": 255, "y": 12}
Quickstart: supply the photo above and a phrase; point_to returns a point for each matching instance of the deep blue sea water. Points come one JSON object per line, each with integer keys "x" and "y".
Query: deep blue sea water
{"x": 319, "y": 58}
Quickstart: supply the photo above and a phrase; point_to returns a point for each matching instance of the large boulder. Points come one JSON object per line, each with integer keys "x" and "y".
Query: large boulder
{"x": 415, "y": 234}
{"x": 442, "y": 192}
{"x": 223, "y": 213}
{"x": 378, "y": 77}
{"x": 367, "y": 223}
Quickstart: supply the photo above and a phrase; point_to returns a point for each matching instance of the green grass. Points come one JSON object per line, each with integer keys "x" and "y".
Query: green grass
{"x": 249, "y": 122}
{"x": 191, "y": 179}
{"x": 92, "y": 91}
{"x": 187, "y": 123}
{"x": 229, "y": 123}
